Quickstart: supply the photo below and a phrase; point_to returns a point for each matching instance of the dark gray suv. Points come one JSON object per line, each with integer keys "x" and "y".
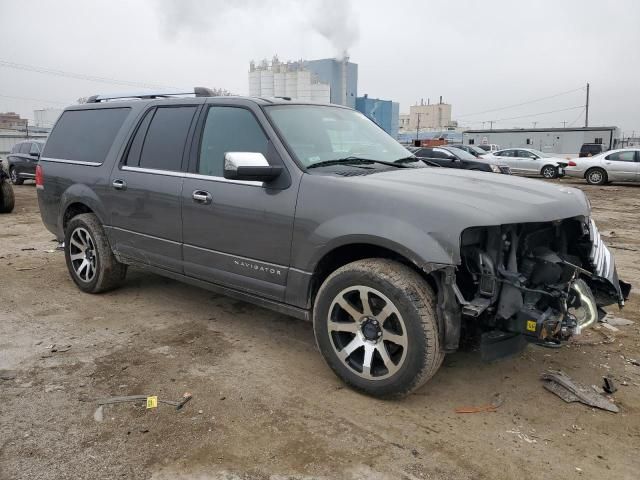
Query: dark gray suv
{"x": 314, "y": 211}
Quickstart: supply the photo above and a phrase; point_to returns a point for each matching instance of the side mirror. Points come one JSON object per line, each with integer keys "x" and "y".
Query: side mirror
{"x": 252, "y": 166}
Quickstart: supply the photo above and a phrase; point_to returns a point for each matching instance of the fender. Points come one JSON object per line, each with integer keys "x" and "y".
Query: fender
{"x": 80, "y": 193}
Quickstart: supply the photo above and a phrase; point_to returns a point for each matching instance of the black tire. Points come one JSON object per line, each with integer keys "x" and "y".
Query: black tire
{"x": 7, "y": 198}
{"x": 415, "y": 303}
{"x": 14, "y": 177}
{"x": 549, "y": 171}
{"x": 596, "y": 176}
{"x": 108, "y": 273}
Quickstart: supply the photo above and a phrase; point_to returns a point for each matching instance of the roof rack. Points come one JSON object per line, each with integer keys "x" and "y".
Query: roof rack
{"x": 197, "y": 91}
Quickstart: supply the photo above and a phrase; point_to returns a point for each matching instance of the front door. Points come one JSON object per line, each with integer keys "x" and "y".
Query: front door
{"x": 508, "y": 157}
{"x": 621, "y": 166}
{"x": 235, "y": 233}
{"x": 529, "y": 162}
{"x": 145, "y": 190}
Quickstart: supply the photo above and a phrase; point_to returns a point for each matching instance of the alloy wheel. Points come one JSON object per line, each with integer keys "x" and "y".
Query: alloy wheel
{"x": 595, "y": 176}
{"x": 367, "y": 332}
{"x": 82, "y": 252}
{"x": 549, "y": 172}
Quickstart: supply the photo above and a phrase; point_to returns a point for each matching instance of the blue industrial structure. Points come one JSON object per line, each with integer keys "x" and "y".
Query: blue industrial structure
{"x": 341, "y": 75}
{"x": 384, "y": 112}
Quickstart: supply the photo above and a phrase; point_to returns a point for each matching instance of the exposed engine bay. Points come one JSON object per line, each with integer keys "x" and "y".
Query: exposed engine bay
{"x": 544, "y": 281}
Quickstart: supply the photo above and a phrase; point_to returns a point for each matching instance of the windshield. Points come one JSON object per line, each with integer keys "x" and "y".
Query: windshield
{"x": 478, "y": 150}
{"x": 539, "y": 153}
{"x": 461, "y": 154}
{"x": 318, "y": 133}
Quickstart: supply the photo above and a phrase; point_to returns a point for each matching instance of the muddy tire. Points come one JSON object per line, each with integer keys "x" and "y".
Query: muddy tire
{"x": 89, "y": 257}
{"x": 14, "y": 177}
{"x": 596, "y": 176}
{"x": 549, "y": 171}
{"x": 7, "y": 198}
{"x": 375, "y": 324}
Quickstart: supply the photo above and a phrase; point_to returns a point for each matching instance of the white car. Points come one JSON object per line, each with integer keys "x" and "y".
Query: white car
{"x": 621, "y": 165}
{"x": 530, "y": 162}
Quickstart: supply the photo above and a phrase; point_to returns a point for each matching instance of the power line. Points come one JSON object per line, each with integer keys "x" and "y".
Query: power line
{"x": 36, "y": 100}
{"x": 578, "y": 117}
{"x": 521, "y": 104}
{"x": 79, "y": 76}
{"x": 541, "y": 113}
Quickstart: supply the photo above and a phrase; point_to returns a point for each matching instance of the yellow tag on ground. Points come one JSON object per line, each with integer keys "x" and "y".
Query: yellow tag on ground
{"x": 531, "y": 326}
{"x": 152, "y": 402}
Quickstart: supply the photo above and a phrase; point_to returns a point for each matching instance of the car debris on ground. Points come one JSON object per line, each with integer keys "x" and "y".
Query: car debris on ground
{"x": 567, "y": 389}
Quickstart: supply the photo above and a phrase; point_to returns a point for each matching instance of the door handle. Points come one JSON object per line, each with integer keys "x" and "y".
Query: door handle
{"x": 119, "y": 184}
{"x": 200, "y": 196}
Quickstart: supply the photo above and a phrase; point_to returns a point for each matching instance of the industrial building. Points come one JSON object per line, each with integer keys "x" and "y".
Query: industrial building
{"x": 564, "y": 141}
{"x": 46, "y": 117}
{"x": 383, "y": 112}
{"x": 327, "y": 80}
{"x": 436, "y": 116}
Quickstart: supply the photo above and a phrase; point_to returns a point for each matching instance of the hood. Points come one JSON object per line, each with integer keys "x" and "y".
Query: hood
{"x": 478, "y": 198}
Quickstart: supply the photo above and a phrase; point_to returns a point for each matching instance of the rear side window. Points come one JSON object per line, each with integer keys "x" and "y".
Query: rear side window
{"x": 228, "y": 129}
{"x": 626, "y": 156}
{"x": 166, "y": 136}
{"x": 35, "y": 148}
{"x": 25, "y": 147}
{"x": 85, "y": 135}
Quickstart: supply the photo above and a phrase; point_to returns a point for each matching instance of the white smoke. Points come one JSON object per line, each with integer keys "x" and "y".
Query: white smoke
{"x": 335, "y": 20}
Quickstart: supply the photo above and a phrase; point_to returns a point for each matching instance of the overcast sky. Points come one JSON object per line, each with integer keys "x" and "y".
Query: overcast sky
{"x": 479, "y": 55}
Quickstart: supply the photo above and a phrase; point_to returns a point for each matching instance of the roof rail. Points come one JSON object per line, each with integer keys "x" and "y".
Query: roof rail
{"x": 197, "y": 91}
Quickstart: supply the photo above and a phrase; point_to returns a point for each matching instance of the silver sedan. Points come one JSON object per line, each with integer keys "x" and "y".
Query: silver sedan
{"x": 621, "y": 165}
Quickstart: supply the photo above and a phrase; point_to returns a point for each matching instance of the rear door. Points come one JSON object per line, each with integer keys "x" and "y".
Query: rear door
{"x": 621, "y": 165}
{"x": 145, "y": 204}
{"x": 508, "y": 157}
{"x": 240, "y": 236}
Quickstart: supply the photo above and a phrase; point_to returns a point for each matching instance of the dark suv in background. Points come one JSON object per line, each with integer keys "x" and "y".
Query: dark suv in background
{"x": 314, "y": 211}
{"x": 591, "y": 149}
{"x": 22, "y": 161}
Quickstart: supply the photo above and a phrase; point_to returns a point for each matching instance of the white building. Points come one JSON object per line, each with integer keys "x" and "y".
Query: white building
{"x": 46, "y": 117}
{"x": 290, "y": 79}
{"x": 565, "y": 141}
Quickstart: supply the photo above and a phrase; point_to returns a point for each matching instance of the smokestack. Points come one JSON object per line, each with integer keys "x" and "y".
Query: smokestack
{"x": 440, "y": 99}
{"x": 345, "y": 60}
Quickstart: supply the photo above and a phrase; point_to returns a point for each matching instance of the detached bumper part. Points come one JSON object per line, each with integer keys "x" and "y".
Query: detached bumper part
{"x": 605, "y": 283}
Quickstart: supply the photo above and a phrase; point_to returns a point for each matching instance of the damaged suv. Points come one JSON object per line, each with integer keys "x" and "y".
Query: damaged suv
{"x": 314, "y": 211}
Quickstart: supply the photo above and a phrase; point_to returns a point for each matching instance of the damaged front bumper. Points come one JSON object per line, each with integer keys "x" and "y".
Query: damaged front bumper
{"x": 543, "y": 282}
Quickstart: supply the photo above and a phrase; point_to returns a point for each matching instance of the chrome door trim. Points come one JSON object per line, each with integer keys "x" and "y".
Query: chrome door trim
{"x": 73, "y": 162}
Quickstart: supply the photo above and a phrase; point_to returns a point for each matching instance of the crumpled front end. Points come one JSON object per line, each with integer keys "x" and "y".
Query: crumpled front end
{"x": 544, "y": 281}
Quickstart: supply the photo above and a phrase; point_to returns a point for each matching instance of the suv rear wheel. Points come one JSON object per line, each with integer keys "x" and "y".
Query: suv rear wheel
{"x": 375, "y": 324}
{"x": 90, "y": 261}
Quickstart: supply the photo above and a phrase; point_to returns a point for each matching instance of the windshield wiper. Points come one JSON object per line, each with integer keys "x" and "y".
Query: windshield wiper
{"x": 353, "y": 160}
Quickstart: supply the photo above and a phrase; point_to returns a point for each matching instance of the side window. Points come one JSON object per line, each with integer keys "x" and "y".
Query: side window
{"x": 164, "y": 143}
{"x": 504, "y": 153}
{"x": 228, "y": 129}
{"x": 35, "y": 148}
{"x": 626, "y": 156}
{"x": 15, "y": 148}
{"x": 135, "y": 149}
{"x": 599, "y": 140}
{"x": 525, "y": 154}
{"x": 471, "y": 141}
{"x": 25, "y": 147}
{"x": 528, "y": 141}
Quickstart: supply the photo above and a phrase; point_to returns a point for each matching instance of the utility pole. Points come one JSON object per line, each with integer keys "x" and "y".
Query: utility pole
{"x": 418, "y": 127}
{"x": 564, "y": 124}
{"x": 27, "y": 127}
{"x": 490, "y": 124}
{"x": 534, "y": 124}
{"x": 586, "y": 109}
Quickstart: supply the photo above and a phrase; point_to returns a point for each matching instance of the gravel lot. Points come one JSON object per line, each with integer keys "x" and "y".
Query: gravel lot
{"x": 264, "y": 403}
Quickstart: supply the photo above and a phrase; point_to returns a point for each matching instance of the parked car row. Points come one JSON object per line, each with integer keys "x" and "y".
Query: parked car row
{"x": 620, "y": 165}
{"x": 22, "y": 161}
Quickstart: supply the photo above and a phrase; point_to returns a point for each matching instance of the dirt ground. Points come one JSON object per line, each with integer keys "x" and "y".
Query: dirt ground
{"x": 264, "y": 403}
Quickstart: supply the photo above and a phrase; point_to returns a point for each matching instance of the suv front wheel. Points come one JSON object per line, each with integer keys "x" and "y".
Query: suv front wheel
{"x": 90, "y": 261}
{"x": 375, "y": 324}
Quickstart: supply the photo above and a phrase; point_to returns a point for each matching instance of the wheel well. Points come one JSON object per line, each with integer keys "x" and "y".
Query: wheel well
{"x": 73, "y": 210}
{"x": 350, "y": 253}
